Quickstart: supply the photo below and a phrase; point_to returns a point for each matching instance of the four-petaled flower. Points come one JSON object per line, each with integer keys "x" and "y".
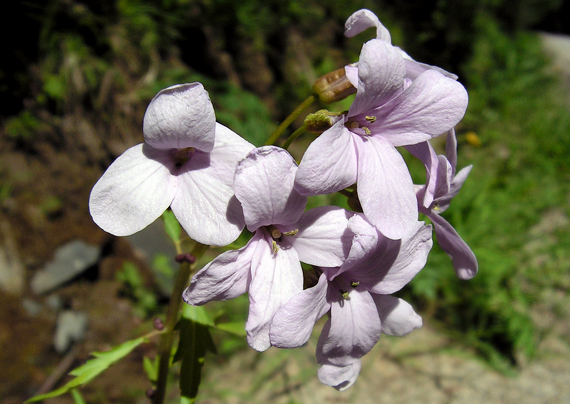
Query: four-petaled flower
{"x": 357, "y": 297}
{"x": 268, "y": 267}
{"x": 187, "y": 162}
{"x": 389, "y": 110}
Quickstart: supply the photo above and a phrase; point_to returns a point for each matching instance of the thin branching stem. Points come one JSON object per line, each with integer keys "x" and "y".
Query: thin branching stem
{"x": 289, "y": 120}
{"x": 167, "y": 337}
{"x": 294, "y": 136}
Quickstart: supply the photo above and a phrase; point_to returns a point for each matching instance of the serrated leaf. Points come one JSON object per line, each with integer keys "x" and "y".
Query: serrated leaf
{"x": 92, "y": 368}
{"x": 171, "y": 225}
{"x": 197, "y": 314}
{"x": 237, "y": 328}
{"x": 195, "y": 341}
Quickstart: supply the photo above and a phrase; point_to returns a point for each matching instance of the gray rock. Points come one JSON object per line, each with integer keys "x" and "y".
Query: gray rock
{"x": 71, "y": 327}
{"x": 70, "y": 260}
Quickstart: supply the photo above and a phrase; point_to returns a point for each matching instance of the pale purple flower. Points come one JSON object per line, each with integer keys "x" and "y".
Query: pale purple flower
{"x": 357, "y": 297}
{"x": 363, "y": 19}
{"x": 442, "y": 185}
{"x": 389, "y": 110}
{"x": 268, "y": 267}
{"x": 187, "y": 162}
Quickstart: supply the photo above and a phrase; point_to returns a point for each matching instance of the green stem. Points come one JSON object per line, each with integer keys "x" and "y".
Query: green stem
{"x": 167, "y": 337}
{"x": 289, "y": 120}
{"x": 294, "y": 136}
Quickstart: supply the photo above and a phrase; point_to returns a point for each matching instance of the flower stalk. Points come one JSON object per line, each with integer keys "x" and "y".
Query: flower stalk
{"x": 289, "y": 120}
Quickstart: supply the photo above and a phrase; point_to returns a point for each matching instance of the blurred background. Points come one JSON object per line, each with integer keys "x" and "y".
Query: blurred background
{"x": 75, "y": 80}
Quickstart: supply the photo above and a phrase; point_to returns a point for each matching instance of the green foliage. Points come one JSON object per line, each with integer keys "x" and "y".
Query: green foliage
{"x": 171, "y": 226}
{"x": 145, "y": 300}
{"x": 92, "y": 368}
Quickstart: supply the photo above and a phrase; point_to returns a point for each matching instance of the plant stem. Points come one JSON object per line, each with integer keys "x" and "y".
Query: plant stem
{"x": 289, "y": 120}
{"x": 167, "y": 337}
{"x": 294, "y": 136}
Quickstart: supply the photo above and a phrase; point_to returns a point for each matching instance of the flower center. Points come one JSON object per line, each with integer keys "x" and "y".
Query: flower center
{"x": 181, "y": 156}
{"x": 276, "y": 235}
{"x": 356, "y": 125}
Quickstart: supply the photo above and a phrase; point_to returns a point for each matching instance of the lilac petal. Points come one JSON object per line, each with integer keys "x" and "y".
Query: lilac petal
{"x": 412, "y": 257}
{"x": 329, "y": 163}
{"x": 364, "y": 241}
{"x": 323, "y": 238}
{"x": 454, "y": 188}
{"x": 362, "y": 20}
{"x": 432, "y": 105}
{"x": 292, "y": 324}
{"x": 385, "y": 187}
{"x": 263, "y": 184}
{"x": 397, "y": 316}
{"x": 444, "y": 178}
{"x": 353, "y": 328}
{"x": 339, "y": 377}
{"x": 134, "y": 191}
{"x": 424, "y": 152}
{"x": 226, "y": 277}
{"x": 451, "y": 148}
{"x": 180, "y": 116}
{"x": 276, "y": 278}
{"x": 464, "y": 261}
{"x": 414, "y": 69}
{"x": 381, "y": 74}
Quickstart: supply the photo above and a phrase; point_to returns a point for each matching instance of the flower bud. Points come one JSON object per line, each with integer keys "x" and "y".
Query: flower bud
{"x": 321, "y": 120}
{"x": 333, "y": 87}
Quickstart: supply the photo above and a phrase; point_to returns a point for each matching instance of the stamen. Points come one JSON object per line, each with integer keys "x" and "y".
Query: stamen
{"x": 436, "y": 207}
{"x": 274, "y": 246}
{"x": 354, "y": 283}
{"x": 344, "y": 294}
{"x": 371, "y": 119}
{"x": 366, "y": 130}
{"x": 292, "y": 232}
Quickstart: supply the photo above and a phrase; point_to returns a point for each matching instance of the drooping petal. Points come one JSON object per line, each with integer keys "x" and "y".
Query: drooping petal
{"x": 362, "y": 20}
{"x": 412, "y": 257}
{"x": 353, "y": 328}
{"x": 424, "y": 152}
{"x": 432, "y": 105}
{"x": 454, "y": 188}
{"x": 339, "y": 377}
{"x": 329, "y": 163}
{"x": 292, "y": 324}
{"x": 464, "y": 261}
{"x": 134, "y": 191}
{"x": 451, "y": 148}
{"x": 226, "y": 277}
{"x": 385, "y": 187}
{"x": 276, "y": 278}
{"x": 397, "y": 316}
{"x": 180, "y": 116}
{"x": 263, "y": 184}
{"x": 381, "y": 74}
{"x": 323, "y": 238}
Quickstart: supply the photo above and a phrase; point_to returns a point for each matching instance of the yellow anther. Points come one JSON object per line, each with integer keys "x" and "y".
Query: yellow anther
{"x": 436, "y": 207}
{"x": 292, "y": 232}
{"x": 274, "y": 247}
{"x": 366, "y": 130}
{"x": 371, "y": 119}
{"x": 354, "y": 283}
{"x": 344, "y": 294}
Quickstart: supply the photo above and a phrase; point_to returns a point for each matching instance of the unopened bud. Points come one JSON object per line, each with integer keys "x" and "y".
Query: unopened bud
{"x": 158, "y": 324}
{"x": 150, "y": 393}
{"x": 333, "y": 87}
{"x": 321, "y": 120}
{"x": 180, "y": 258}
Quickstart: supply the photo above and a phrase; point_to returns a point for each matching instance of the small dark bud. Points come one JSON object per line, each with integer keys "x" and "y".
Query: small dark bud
{"x": 158, "y": 324}
{"x": 333, "y": 87}
{"x": 150, "y": 393}
{"x": 180, "y": 258}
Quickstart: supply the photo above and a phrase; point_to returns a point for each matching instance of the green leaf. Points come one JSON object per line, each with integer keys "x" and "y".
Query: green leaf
{"x": 92, "y": 368}
{"x": 195, "y": 341}
{"x": 171, "y": 225}
{"x": 77, "y": 397}
{"x": 237, "y": 328}
{"x": 197, "y": 314}
{"x": 151, "y": 368}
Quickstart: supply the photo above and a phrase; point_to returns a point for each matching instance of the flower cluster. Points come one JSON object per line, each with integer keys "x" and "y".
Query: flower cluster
{"x": 216, "y": 184}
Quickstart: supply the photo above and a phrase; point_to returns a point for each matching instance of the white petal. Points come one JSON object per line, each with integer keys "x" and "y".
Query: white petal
{"x": 292, "y": 324}
{"x": 329, "y": 163}
{"x": 323, "y": 238}
{"x": 180, "y": 116}
{"x": 134, "y": 191}
{"x": 363, "y": 19}
{"x": 276, "y": 278}
{"x": 263, "y": 184}
{"x": 397, "y": 316}
{"x": 385, "y": 187}
{"x": 339, "y": 377}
